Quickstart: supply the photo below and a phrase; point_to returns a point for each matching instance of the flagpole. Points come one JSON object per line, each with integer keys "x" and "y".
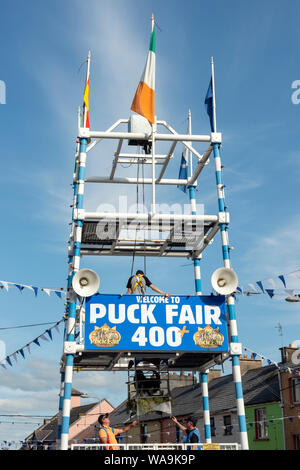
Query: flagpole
{"x": 74, "y": 266}
{"x": 153, "y": 209}
{"x": 86, "y": 80}
{"x": 214, "y": 94}
{"x": 190, "y": 153}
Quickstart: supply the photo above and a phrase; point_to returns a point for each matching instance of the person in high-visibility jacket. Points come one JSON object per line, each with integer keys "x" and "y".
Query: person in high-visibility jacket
{"x": 107, "y": 435}
{"x": 138, "y": 282}
{"x": 192, "y": 432}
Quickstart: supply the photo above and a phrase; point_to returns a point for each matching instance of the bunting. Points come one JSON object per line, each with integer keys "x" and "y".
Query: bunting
{"x": 272, "y": 286}
{"x": 36, "y": 341}
{"x": 21, "y": 287}
{"x": 281, "y": 367}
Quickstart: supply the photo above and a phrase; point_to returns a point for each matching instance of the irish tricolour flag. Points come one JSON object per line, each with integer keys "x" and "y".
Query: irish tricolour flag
{"x": 143, "y": 101}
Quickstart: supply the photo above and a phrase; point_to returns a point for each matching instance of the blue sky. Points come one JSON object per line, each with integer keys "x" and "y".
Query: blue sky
{"x": 43, "y": 49}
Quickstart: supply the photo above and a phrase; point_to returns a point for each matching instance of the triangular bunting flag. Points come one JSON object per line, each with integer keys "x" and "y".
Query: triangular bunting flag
{"x": 271, "y": 281}
{"x": 289, "y": 291}
{"x": 259, "y": 283}
{"x": 36, "y": 341}
{"x": 35, "y": 289}
{"x": 253, "y": 287}
{"x": 49, "y": 333}
{"x": 28, "y": 287}
{"x": 282, "y": 280}
{"x": 5, "y": 285}
{"x": 46, "y": 290}
{"x": 19, "y": 287}
{"x": 22, "y": 352}
{"x": 9, "y": 361}
{"x": 58, "y": 293}
{"x": 270, "y": 292}
{"x": 44, "y": 337}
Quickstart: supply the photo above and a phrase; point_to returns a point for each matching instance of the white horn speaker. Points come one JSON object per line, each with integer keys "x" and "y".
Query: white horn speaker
{"x": 85, "y": 282}
{"x": 224, "y": 281}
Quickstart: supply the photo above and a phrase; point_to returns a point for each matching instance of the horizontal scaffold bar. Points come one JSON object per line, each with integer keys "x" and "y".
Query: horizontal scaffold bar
{"x": 128, "y": 180}
{"x": 130, "y": 252}
{"x": 141, "y": 136}
{"x": 145, "y": 217}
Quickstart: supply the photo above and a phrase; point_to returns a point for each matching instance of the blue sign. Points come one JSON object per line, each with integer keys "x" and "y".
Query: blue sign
{"x": 156, "y": 323}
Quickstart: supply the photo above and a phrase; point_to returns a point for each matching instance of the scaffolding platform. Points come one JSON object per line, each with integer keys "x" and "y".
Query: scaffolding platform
{"x": 118, "y": 361}
{"x": 118, "y": 237}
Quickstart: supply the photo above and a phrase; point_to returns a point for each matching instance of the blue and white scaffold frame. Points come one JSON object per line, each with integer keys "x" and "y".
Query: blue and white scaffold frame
{"x": 198, "y": 291}
{"x": 219, "y": 222}
{"x": 70, "y": 347}
{"x": 235, "y": 346}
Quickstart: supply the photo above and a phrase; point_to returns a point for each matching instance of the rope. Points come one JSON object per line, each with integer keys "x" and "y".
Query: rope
{"x": 137, "y": 204}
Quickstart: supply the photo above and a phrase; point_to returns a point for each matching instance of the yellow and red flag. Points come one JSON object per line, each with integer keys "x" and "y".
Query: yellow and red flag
{"x": 86, "y": 115}
{"x": 143, "y": 101}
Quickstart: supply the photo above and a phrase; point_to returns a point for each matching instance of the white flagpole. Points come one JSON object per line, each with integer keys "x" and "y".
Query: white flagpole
{"x": 190, "y": 153}
{"x": 153, "y": 210}
{"x": 214, "y": 94}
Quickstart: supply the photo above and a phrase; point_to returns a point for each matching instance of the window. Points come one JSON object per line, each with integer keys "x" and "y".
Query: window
{"x": 227, "y": 425}
{"x": 180, "y": 435}
{"x": 296, "y": 390}
{"x": 297, "y": 441}
{"x": 261, "y": 429}
{"x": 212, "y": 427}
{"x": 144, "y": 433}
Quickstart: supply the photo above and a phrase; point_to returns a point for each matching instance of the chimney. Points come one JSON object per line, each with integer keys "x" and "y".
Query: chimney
{"x": 286, "y": 353}
{"x": 213, "y": 374}
{"x": 248, "y": 364}
{"x": 75, "y": 398}
{"x": 181, "y": 380}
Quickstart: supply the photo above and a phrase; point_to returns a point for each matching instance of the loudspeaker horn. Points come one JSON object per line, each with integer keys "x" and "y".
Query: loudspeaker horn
{"x": 85, "y": 282}
{"x": 224, "y": 281}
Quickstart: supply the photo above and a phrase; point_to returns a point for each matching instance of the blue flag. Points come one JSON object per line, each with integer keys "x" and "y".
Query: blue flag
{"x": 209, "y": 105}
{"x": 259, "y": 283}
{"x": 270, "y": 292}
{"x": 183, "y": 173}
{"x": 283, "y": 280}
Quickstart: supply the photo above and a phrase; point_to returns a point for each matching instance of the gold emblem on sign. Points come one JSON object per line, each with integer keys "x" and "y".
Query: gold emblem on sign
{"x": 211, "y": 447}
{"x": 208, "y": 337}
{"x": 105, "y": 337}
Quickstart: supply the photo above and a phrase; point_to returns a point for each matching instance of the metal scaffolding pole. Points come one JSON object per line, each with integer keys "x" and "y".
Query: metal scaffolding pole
{"x": 234, "y": 346}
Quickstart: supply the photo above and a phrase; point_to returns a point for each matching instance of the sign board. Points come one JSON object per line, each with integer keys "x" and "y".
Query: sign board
{"x": 156, "y": 323}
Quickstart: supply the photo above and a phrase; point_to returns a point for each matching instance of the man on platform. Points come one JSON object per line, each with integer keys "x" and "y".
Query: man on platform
{"x": 138, "y": 282}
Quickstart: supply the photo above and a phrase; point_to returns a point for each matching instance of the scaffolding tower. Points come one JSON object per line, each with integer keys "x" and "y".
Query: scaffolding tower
{"x": 182, "y": 235}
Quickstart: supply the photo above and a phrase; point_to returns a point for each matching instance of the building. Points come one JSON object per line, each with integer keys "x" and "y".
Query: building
{"x": 83, "y": 424}
{"x": 262, "y": 403}
{"x": 290, "y": 391}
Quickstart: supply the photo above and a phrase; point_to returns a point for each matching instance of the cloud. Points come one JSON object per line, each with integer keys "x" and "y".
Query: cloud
{"x": 276, "y": 252}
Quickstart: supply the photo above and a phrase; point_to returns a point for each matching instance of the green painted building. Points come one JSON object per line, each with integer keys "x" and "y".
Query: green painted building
{"x": 265, "y": 426}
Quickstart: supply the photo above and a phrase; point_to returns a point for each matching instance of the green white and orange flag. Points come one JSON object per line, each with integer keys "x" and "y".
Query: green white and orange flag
{"x": 143, "y": 101}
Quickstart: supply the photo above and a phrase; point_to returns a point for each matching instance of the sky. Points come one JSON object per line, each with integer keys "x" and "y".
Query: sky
{"x": 44, "y": 46}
